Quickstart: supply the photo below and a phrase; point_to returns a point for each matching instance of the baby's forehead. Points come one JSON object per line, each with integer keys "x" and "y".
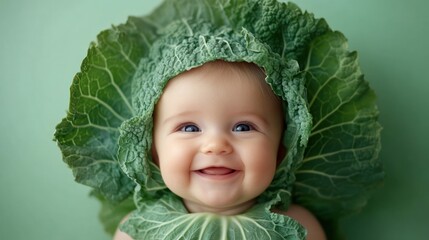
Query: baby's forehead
{"x": 226, "y": 83}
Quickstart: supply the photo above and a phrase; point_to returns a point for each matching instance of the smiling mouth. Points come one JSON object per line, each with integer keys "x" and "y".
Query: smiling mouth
{"x": 216, "y": 171}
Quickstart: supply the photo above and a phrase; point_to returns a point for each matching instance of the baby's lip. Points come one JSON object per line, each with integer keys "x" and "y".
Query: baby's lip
{"x": 216, "y": 170}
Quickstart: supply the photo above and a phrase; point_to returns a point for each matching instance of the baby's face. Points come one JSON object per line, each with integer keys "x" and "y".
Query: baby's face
{"x": 216, "y": 139}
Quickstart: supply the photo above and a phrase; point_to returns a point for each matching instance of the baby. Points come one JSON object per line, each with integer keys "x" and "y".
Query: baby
{"x": 217, "y": 140}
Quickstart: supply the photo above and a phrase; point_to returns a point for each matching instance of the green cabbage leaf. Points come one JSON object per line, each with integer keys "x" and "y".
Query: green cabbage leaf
{"x": 100, "y": 100}
{"x": 166, "y": 218}
{"x": 341, "y": 156}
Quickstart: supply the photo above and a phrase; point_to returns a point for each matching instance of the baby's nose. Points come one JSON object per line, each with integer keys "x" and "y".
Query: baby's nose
{"x": 217, "y": 144}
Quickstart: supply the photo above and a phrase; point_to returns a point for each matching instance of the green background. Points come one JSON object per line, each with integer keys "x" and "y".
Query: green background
{"x": 42, "y": 44}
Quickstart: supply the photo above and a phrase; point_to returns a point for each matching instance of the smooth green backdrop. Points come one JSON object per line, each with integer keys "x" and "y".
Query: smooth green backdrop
{"x": 42, "y": 44}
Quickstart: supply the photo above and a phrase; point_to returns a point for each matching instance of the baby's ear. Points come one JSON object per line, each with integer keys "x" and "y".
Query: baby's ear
{"x": 281, "y": 153}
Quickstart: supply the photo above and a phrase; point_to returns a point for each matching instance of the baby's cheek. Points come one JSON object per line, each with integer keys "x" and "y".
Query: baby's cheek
{"x": 265, "y": 161}
{"x": 263, "y": 171}
{"x": 175, "y": 176}
{"x": 261, "y": 174}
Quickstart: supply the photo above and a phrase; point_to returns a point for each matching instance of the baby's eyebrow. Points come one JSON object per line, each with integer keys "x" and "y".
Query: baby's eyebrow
{"x": 174, "y": 116}
{"x": 256, "y": 116}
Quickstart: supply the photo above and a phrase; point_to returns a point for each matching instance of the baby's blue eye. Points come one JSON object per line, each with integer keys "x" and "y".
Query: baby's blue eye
{"x": 242, "y": 127}
{"x": 190, "y": 128}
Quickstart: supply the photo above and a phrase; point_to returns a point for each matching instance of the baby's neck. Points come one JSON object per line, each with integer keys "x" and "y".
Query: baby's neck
{"x": 194, "y": 207}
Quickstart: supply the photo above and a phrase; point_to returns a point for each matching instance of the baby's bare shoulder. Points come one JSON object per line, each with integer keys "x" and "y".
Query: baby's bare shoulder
{"x": 306, "y": 219}
{"x": 119, "y": 235}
